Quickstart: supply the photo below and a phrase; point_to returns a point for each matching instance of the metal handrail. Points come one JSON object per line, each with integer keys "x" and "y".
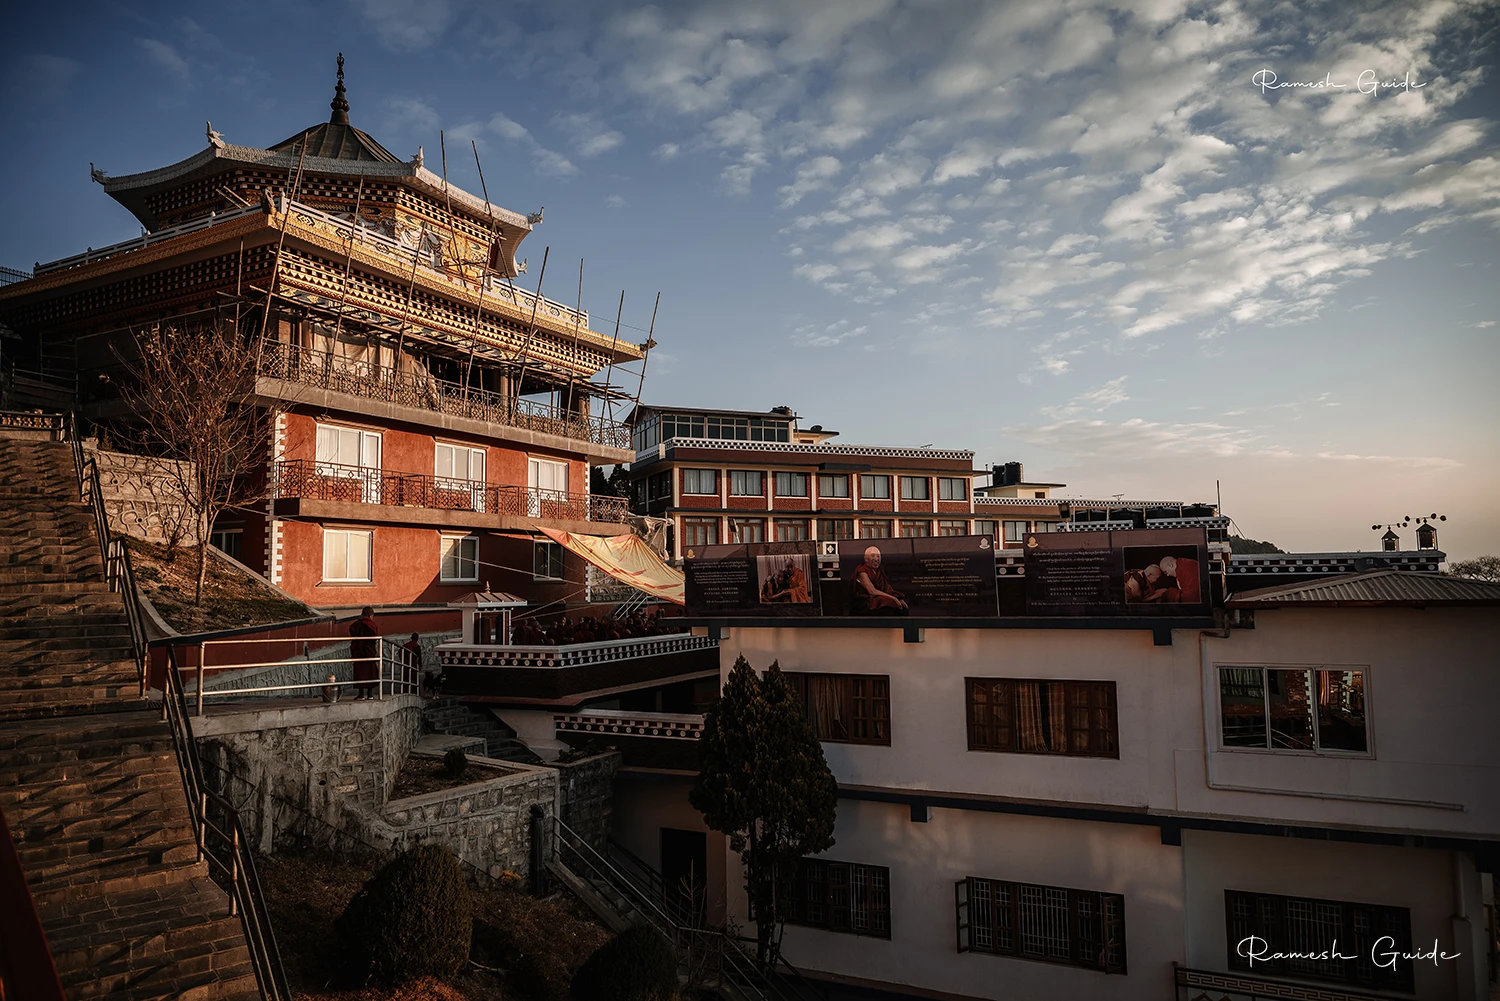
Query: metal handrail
{"x": 232, "y": 857}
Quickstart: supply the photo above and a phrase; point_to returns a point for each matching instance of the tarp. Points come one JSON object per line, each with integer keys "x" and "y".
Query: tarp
{"x": 626, "y": 558}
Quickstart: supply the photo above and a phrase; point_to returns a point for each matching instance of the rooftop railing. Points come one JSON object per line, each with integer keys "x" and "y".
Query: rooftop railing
{"x": 570, "y": 655}
{"x": 324, "y": 370}
{"x": 309, "y": 479}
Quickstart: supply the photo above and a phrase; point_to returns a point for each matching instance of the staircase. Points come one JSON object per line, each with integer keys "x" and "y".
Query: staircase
{"x": 89, "y": 772}
{"x": 453, "y": 717}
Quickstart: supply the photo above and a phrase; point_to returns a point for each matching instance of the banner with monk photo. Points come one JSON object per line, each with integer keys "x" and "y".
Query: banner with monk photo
{"x": 939, "y": 577}
{"x": 773, "y": 579}
{"x": 1155, "y": 572}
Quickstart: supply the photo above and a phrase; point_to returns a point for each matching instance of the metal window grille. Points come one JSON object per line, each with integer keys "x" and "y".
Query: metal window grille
{"x": 1308, "y": 925}
{"x": 1050, "y": 923}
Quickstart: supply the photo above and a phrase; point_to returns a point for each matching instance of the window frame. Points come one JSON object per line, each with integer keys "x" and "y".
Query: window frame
{"x": 950, "y": 528}
{"x": 1267, "y": 919}
{"x": 879, "y": 481}
{"x": 1091, "y": 906}
{"x": 868, "y": 523}
{"x": 540, "y": 546}
{"x": 1098, "y": 745}
{"x": 1007, "y": 526}
{"x": 824, "y": 479}
{"x": 951, "y": 483}
{"x": 828, "y": 532}
{"x": 993, "y": 530}
{"x": 760, "y": 479}
{"x": 696, "y": 473}
{"x": 909, "y": 488}
{"x": 1317, "y": 750}
{"x": 865, "y": 701}
{"x": 791, "y": 478}
{"x": 735, "y": 524}
{"x": 454, "y": 448}
{"x": 919, "y": 529}
{"x": 791, "y": 524}
{"x": 832, "y": 913}
{"x": 443, "y": 541}
{"x": 709, "y": 525}
{"x": 369, "y": 534}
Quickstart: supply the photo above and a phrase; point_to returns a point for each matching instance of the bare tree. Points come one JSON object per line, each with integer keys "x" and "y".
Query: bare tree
{"x": 192, "y": 393}
{"x": 1479, "y": 568}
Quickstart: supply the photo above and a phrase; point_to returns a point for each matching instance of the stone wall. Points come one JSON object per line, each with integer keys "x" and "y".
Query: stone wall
{"x": 143, "y": 496}
{"x": 295, "y": 773}
{"x": 585, "y": 794}
{"x": 486, "y": 822}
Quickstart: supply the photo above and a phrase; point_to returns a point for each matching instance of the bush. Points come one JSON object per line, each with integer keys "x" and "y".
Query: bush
{"x": 413, "y": 918}
{"x": 636, "y": 965}
{"x": 455, "y": 763}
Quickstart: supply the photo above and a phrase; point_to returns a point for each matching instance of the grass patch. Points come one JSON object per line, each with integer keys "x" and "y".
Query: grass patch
{"x": 531, "y": 947}
{"x": 231, "y": 597}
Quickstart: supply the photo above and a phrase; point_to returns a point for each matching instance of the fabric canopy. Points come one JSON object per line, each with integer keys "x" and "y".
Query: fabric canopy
{"x": 626, "y": 558}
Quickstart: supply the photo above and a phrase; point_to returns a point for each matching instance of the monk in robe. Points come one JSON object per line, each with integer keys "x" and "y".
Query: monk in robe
{"x": 365, "y": 652}
{"x": 873, "y": 594}
{"x": 1185, "y": 572}
{"x": 794, "y": 583}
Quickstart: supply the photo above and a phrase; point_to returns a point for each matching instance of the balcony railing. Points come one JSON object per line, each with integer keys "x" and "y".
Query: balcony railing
{"x": 671, "y": 726}
{"x": 1193, "y": 984}
{"x": 309, "y": 479}
{"x": 571, "y": 655}
{"x": 323, "y": 370}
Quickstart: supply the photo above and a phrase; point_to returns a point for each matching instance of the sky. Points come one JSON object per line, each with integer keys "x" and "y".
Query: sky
{"x": 1104, "y": 240}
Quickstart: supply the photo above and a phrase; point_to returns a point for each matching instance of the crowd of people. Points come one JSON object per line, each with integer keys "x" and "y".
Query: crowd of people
{"x": 588, "y": 629}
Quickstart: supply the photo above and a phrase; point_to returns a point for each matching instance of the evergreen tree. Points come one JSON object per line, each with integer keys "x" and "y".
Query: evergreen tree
{"x": 764, "y": 782}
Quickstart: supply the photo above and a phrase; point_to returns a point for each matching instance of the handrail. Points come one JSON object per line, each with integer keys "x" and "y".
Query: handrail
{"x": 230, "y": 852}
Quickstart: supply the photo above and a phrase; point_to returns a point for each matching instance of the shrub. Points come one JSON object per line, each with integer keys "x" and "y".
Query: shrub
{"x": 413, "y": 918}
{"x": 636, "y": 965}
{"x": 455, "y": 763}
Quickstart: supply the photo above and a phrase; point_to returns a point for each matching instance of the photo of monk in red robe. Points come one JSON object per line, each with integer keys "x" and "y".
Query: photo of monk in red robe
{"x": 787, "y": 585}
{"x": 872, "y": 593}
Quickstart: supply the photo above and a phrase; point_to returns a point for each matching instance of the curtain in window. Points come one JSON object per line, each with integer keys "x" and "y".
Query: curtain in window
{"x": 827, "y": 695}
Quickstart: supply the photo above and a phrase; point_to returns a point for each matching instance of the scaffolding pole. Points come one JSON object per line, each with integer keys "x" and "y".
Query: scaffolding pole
{"x": 280, "y": 242}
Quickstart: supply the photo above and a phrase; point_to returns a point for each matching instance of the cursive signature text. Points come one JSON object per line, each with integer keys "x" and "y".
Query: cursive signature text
{"x": 1368, "y": 82}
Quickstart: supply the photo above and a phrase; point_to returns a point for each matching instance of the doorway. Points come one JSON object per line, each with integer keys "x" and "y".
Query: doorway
{"x": 684, "y": 875}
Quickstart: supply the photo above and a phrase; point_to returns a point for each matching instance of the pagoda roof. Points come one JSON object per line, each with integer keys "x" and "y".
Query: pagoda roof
{"x": 329, "y": 141}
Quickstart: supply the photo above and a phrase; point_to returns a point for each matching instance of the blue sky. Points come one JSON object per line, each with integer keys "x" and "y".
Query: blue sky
{"x": 1073, "y": 234}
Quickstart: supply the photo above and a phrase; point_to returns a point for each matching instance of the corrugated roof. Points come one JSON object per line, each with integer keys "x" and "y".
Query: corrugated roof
{"x": 1374, "y": 587}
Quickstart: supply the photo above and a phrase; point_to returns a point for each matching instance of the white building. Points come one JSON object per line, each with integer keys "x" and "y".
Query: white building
{"x": 1070, "y": 812}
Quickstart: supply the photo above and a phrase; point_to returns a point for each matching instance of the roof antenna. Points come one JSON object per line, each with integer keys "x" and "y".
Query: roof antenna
{"x": 339, "y": 104}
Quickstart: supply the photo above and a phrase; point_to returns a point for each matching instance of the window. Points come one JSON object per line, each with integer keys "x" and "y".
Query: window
{"x": 1015, "y": 531}
{"x": 874, "y": 487}
{"x": 914, "y": 488}
{"x": 700, "y": 532}
{"x": 700, "y": 481}
{"x": 833, "y": 485}
{"x": 1293, "y": 709}
{"x": 458, "y": 462}
{"x": 791, "y": 531}
{"x": 791, "y": 484}
{"x": 1296, "y": 924}
{"x": 746, "y": 483}
{"x": 659, "y": 486}
{"x": 916, "y": 529}
{"x": 953, "y": 488}
{"x": 1041, "y": 494}
{"x": 949, "y": 528}
{"x": 874, "y": 529}
{"x": 1043, "y": 717}
{"x": 832, "y": 529}
{"x": 545, "y": 474}
{"x": 986, "y": 528}
{"x": 747, "y": 530}
{"x": 346, "y": 556}
{"x": 846, "y": 708}
{"x": 1050, "y": 923}
{"x": 841, "y": 896}
{"x": 646, "y": 434}
{"x": 229, "y": 541}
{"x": 351, "y": 454}
{"x": 460, "y": 558}
{"x": 1043, "y": 527}
{"x": 546, "y": 561}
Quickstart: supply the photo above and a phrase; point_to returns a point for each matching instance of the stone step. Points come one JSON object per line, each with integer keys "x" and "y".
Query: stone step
{"x": 62, "y": 702}
{"x": 66, "y": 635}
{"x": 81, "y": 868}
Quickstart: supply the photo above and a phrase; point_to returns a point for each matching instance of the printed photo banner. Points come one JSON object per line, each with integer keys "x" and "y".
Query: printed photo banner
{"x": 947, "y": 577}
{"x": 1142, "y": 572}
{"x": 774, "y": 579}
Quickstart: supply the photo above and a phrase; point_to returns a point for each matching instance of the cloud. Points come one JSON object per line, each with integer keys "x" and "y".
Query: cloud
{"x": 166, "y": 58}
{"x": 615, "y": 202}
{"x": 811, "y": 176}
{"x": 590, "y": 136}
{"x": 667, "y": 151}
{"x": 543, "y": 160}
{"x": 826, "y": 337}
{"x": 407, "y": 24}
{"x": 41, "y": 77}
{"x": 410, "y": 114}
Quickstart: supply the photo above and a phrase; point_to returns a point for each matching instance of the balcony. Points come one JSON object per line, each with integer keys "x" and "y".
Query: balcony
{"x": 295, "y": 481}
{"x": 420, "y": 391}
{"x": 647, "y": 740}
{"x": 569, "y": 674}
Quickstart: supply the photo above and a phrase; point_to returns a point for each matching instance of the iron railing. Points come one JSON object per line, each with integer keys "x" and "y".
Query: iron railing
{"x": 324, "y": 370}
{"x": 312, "y": 480}
{"x": 32, "y": 421}
{"x": 733, "y": 968}
{"x": 396, "y": 672}
{"x": 1190, "y": 983}
{"x": 216, "y": 825}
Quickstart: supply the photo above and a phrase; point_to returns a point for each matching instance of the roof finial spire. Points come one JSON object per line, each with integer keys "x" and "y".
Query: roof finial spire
{"x": 339, "y": 104}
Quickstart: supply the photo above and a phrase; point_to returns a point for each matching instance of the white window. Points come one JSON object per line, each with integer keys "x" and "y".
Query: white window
{"x": 460, "y": 558}
{"x": 985, "y": 528}
{"x": 346, "y": 555}
{"x": 1317, "y": 709}
{"x": 746, "y": 483}
{"x": 914, "y": 488}
{"x": 875, "y": 486}
{"x": 548, "y": 479}
{"x": 700, "y": 481}
{"x": 953, "y": 488}
{"x": 791, "y": 484}
{"x": 833, "y": 485}
{"x": 350, "y": 453}
{"x": 458, "y": 462}
{"x": 547, "y": 561}
{"x": 1015, "y": 531}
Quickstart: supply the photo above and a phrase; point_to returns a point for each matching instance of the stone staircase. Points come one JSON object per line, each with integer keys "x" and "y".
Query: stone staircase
{"x": 453, "y": 717}
{"x": 89, "y": 779}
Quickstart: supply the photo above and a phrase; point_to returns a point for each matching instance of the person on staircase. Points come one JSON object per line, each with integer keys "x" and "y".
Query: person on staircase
{"x": 365, "y": 652}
